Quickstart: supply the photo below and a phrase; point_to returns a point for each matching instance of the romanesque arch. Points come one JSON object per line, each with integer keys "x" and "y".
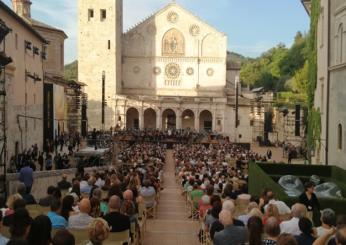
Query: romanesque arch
{"x": 169, "y": 119}
{"x": 132, "y": 118}
{"x": 188, "y": 119}
{"x": 206, "y": 121}
{"x": 173, "y": 43}
{"x": 149, "y": 119}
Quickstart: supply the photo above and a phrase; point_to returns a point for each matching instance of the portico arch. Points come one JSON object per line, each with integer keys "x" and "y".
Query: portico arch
{"x": 188, "y": 119}
{"x": 169, "y": 119}
{"x": 206, "y": 121}
{"x": 149, "y": 119}
{"x": 132, "y": 118}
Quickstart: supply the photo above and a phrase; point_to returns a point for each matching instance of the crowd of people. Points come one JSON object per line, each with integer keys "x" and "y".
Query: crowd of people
{"x": 56, "y": 156}
{"x": 213, "y": 174}
{"x": 214, "y": 180}
{"x": 151, "y": 135}
{"x": 100, "y": 202}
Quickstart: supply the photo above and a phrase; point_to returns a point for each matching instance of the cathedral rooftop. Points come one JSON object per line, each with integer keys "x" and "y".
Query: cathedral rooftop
{"x": 171, "y": 4}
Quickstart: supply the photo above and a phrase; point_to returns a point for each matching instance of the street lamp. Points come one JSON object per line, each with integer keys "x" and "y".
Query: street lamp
{"x": 236, "y": 84}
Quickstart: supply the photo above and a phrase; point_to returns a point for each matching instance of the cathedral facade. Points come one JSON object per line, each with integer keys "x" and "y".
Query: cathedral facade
{"x": 169, "y": 71}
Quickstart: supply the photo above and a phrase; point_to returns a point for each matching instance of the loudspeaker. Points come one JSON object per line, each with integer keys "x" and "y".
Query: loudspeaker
{"x": 268, "y": 122}
{"x": 297, "y": 121}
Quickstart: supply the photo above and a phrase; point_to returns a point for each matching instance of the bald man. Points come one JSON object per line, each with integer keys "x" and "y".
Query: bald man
{"x": 83, "y": 219}
{"x": 116, "y": 221}
{"x": 291, "y": 226}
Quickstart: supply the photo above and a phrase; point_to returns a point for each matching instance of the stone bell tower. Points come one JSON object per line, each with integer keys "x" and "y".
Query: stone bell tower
{"x": 100, "y": 28}
{"x": 22, "y": 8}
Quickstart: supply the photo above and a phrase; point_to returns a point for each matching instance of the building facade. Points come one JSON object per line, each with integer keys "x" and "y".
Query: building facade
{"x": 331, "y": 88}
{"x": 169, "y": 71}
{"x": 24, "y": 83}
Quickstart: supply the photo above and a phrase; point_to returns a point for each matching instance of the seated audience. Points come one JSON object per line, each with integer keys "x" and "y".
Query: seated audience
{"x": 17, "y": 204}
{"x": 98, "y": 231}
{"x": 83, "y": 219}
{"x": 291, "y": 226}
{"x": 116, "y": 221}
{"x": 67, "y": 207}
{"x": 272, "y": 231}
{"x": 328, "y": 220}
{"x": 21, "y": 190}
{"x": 9, "y": 204}
{"x": 255, "y": 230}
{"x": 231, "y": 234}
{"x": 306, "y": 236}
{"x": 45, "y": 202}
{"x": 245, "y": 217}
{"x": 56, "y": 219}
{"x": 147, "y": 192}
{"x": 40, "y": 231}
{"x": 3, "y": 240}
{"x": 271, "y": 211}
{"x": 64, "y": 184}
{"x": 21, "y": 224}
{"x": 63, "y": 237}
{"x": 286, "y": 239}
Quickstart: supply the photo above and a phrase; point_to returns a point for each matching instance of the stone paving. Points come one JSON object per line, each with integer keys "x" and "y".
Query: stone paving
{"x": 171, "y": 225}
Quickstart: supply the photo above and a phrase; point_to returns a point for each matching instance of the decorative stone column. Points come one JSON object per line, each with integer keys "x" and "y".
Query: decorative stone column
{"x": 214, "y": 121}
{"x": 159, "y": 119}
{"x": 196, "y": 120}
{"x": 178, "y": 120}
{"x": 141, "y": 118}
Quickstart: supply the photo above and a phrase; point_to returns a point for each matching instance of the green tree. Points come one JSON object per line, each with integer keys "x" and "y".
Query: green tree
{"x": 300, "y": 80}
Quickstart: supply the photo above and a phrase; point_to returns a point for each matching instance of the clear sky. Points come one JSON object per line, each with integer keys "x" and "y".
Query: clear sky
{"x": 252, "y": 26}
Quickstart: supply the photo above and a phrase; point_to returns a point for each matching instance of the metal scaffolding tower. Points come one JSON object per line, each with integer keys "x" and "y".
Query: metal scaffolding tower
{"x": 4, "y": 60}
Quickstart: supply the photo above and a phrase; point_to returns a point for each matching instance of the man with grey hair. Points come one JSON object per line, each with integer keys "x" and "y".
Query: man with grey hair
{"x": 27, "y": 197}
{"x": 340, "y": 237}
{"x": 328, "y": 219}
{"x": 217, "y": 225}
{"x": 291, "y": 226}
{"x": 231, "y": 234}
{"x": 116, "y": 221}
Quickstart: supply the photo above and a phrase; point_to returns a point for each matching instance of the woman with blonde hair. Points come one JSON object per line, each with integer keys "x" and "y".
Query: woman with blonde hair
{"x": 271, "y": 211}
{"x": 10, "y": 202}
{"x": 98, "y": 232}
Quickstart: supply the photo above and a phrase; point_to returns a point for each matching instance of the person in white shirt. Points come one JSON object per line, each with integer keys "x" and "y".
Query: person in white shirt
{"x": 282, "y": 207}
{"x": 291, "y": 226}
{"x": 328, "y": 219}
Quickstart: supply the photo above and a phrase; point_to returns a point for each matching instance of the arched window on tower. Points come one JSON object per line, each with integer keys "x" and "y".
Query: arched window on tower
{"x": 339, "y": 137}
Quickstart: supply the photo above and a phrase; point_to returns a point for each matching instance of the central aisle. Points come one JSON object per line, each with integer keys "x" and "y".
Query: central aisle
{"x": 171, "y": 225}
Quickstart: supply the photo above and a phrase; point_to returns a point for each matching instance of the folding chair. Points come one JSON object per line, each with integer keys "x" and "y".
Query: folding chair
{"x": 150, "y": 205}
{"x": 142, "y": 217}
{"x": 118, "y": 238}
{"x": 80, "y": 235}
